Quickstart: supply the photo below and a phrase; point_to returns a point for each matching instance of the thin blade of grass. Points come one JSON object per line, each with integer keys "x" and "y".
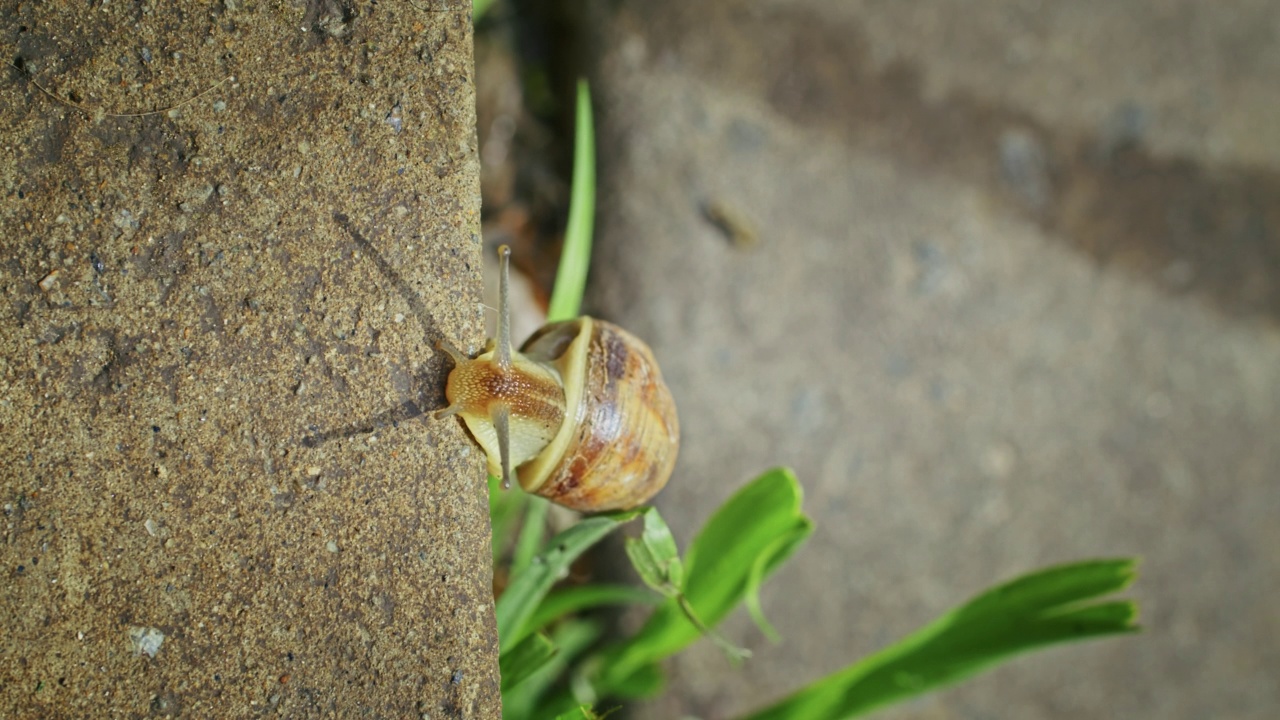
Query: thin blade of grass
{"x": 528, "y": 588}
{"x": 1037, "y": 610}
{"x": 529, "y": 701}
{"x": 575, "y": 256}
{"x": 532, "y": 529}
{"x": 646, "y": 682}
{"x": 588, "y": 597}
{"x": 479, "y": 8}
{"x": 1054, "y": 587}
{"x": 504, "y": 512}
{"x": 580, "y": 713}
{"x": 524, "y": 660}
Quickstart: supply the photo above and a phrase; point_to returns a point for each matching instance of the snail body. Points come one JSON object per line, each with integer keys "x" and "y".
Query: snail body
{"x": 579, "y": 415}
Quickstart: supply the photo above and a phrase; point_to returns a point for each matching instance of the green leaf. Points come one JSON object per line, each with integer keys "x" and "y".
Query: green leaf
{"x": 479, "y": 8}
{"x": 772, "y": 556}
{"x": 584, "y": 712}
{"x": 528, "y": 588}
{"x": 532, "y": 531}
{"x": 504, "y": 512}
{"x": 575, "y": 257}
{"x": 1052, "y": 587}
{"x": 587, "y": 597}
{"x": 764, "y": 519}
{"x": 744, "y": 541}
{"x": 655, "y": 556}
{"x": 572, "y": 637}
{"x": 645, "y": 682}
{"x": 524, "y": 660}
{"x": 1037, "y": 610}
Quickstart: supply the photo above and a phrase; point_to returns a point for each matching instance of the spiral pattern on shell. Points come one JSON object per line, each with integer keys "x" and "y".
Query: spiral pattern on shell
{"x": 620, "y": 438}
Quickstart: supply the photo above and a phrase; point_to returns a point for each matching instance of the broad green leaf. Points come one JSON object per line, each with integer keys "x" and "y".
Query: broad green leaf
{"x": 527, "y": 589}
{"x": 525, "y": 659}
{"x": 782, "y": 547}
{"x": 1040, "y": 609}
{"x": 575, "y": 257}
{"x": 750, "y": 525}
{"x": 749, "y": 536}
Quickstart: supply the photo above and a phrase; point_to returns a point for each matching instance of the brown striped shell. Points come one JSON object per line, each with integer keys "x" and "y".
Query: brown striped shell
{"x": 580, "y": 415}
{"x": 619, "y": 441}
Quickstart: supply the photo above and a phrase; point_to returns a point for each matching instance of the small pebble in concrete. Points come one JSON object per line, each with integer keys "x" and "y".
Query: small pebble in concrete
{"x": 49, "y": 281}
{"x": 145, "y": 640}
{"x": 125, "y": 220}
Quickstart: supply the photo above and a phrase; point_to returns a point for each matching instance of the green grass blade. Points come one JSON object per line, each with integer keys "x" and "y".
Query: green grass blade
{"x": 532, "y": 530}
{"x": 560, "y": 603}
{"x": 581, "y": 713}
{"x": 1037, "y": 610}
{"x": 529, "y": 700}
{"x": 1041, "y": 595}
{"x": 527, "y": 589}
{"x": 575, "y": 257}
{"x": 524, "y": 660}
{"x": 505, "y": 509}
{"x": 479, "y": 8}
{"x": 1053, "y": 587}
{"x": 646, "y": 682}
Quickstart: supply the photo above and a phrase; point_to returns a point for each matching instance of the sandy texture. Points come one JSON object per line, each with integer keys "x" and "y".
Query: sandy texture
{"x": 1001, "y": 284}
{"x": 221, "y": 497}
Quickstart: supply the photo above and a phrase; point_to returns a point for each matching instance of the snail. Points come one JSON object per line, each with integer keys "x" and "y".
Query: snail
{"x": 579, "y": 415}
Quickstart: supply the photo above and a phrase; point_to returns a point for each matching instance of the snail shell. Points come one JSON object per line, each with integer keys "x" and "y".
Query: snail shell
{"x": 619, "y": 444}
{"x": 581, "y": 411}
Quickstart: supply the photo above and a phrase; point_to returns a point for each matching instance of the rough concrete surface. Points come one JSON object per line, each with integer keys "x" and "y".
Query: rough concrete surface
{"x": 221, "y": 497}
{"x": 1013, "y": 299}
